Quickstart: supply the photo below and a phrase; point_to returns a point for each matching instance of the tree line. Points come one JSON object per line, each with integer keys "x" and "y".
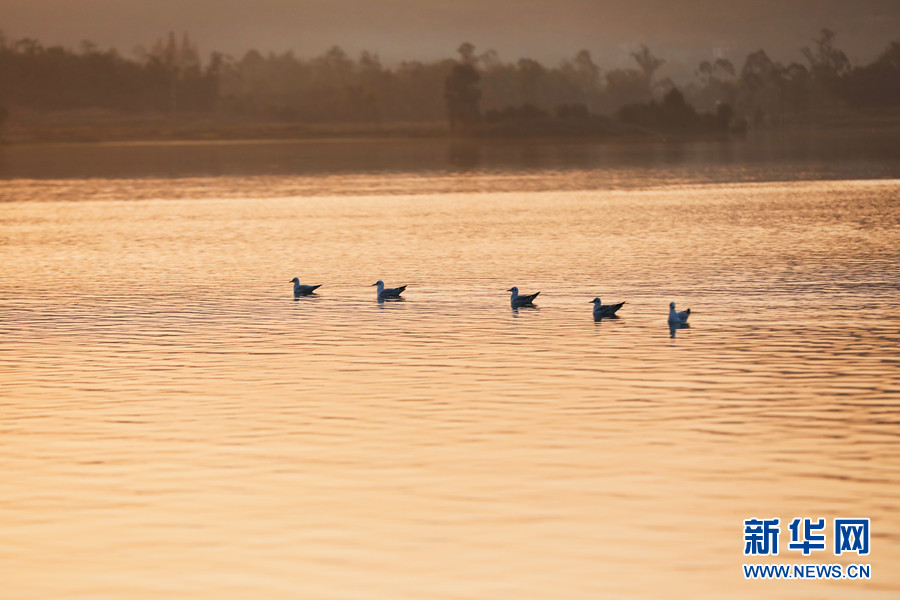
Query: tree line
{"x": 170, "y": 77}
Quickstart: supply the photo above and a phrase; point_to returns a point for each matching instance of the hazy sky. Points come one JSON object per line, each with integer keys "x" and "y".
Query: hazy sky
{"x": 684, "y": 32}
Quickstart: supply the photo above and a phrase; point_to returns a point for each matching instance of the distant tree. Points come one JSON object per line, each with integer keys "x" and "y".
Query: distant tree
{"x": 826, "y": 62}
{"x": 417, "y": 91}
{"x": 530, "y": 74}
{"x": 584, "y": 76}
{"x": 770, "y": 93}
{"x": 760, "y": 92}
{"x": 178, "y": 64}
{"x": 674, "y": 101}
{"x": 890, "y": 58}
{"x": 572, "y": 111}
{"x": 827, "y": 67}
{"x": 335, "y": 87}
{"x": 675, "y": 115}
{"x": 759, "y": 70}
{"x": 372, "y": 80}
{"x": 718, "y": 69}
{"x": 585, "y": 64}
{"x": 724, "y": 116}
{"x": 876, "y": 84}
{"x": 467, "y": 53}
{"x": 490, "y": 60}
{"x": 716, "y": 84}
{"x": 795, "y": 89}
{"x": 462, "y": 96}
{"x": 625, "y": 86}
{"x": 648, "y": 63}
{"x": 632, "y": 86}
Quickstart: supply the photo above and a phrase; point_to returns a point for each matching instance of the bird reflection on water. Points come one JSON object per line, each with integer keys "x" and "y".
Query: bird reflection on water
{"x": 673, "y": 327}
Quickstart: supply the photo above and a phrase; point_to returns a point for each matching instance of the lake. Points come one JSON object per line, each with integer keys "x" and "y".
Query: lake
{"x": 176, "y": 424}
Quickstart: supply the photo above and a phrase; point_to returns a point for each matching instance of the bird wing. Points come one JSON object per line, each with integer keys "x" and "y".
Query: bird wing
{"x": 393, "y": 291}
{"x": 523, "y": 300}
{"x": 610, "y": 309}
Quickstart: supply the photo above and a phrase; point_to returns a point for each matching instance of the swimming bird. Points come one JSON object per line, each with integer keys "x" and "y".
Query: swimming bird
{"x": 384, "y": 292}
{"x": 605, "y": 310}
{"x": 303, "y": 290}
{"x": 516, "y": 300}
{"x": 678, "y": 317}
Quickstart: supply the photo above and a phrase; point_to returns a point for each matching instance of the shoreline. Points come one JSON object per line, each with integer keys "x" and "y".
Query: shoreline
{"x": 98, "y": 127}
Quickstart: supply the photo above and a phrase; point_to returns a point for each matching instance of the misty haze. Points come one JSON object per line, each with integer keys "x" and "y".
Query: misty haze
{"x": 170, "y": 88}
{"x": 476, "y": 300}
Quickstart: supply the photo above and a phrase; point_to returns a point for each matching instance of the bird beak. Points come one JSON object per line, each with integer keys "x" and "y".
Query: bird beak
{"x": 373, "y": 285}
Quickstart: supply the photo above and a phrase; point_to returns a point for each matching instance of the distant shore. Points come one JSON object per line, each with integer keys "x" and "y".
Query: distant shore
{"x": 105, "y": 127}
{"x": 101, "y": 126}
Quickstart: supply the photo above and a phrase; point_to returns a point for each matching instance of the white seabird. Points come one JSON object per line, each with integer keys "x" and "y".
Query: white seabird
{"x": 384, "y": 292}
{"x": 516, "y": 300}
{"x": 677, "y": 318}
{"x": 605, "y": 310}
{"x": 303, "y": 290}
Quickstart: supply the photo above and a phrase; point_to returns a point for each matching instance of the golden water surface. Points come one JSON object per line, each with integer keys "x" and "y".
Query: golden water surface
{"x": 174, "y": 424}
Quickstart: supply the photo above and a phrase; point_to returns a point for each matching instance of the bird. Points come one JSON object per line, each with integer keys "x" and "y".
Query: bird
{"x": 384, "y": 293}
{"x": 605, "y": 310}
{"x": 303, "y": 290}
{"x": 678, "y": 318}
{"x": 516, "y": 300}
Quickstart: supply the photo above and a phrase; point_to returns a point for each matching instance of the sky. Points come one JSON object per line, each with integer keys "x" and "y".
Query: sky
{"x": 683, "y": 32}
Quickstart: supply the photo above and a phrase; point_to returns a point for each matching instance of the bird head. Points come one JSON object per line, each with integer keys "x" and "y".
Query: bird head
{"x": 514, "y": 290}
{"x": 595, "y": 301}
{"x": 671, "y": 305}
{"x": 295, "y": 280}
